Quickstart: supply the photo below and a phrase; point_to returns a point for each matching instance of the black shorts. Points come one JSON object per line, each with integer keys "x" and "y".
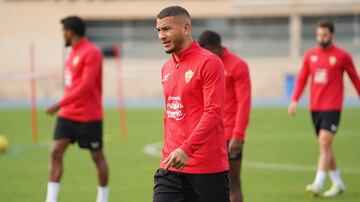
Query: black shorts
{"x": 181, "y": 187}
{"x": 326, "y": 120}
{"x": 235, "y": 157}
{"x": 87, "y": 134}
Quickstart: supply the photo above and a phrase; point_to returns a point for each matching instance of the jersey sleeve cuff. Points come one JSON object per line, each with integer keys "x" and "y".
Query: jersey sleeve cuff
{"x": 239, "y": 136}
{"x": 61, "y": 103}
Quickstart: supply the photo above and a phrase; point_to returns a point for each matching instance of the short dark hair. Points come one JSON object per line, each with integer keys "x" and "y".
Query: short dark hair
{"x": 173, "y": 11}
{"x": 209, "y": 38}
{"x": 326, "y": 23}
{"x": 75, "y": 24}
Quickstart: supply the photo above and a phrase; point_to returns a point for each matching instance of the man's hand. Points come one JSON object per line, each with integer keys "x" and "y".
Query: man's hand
{"x": 53, "y": 109}
{"x": 235, "y": 146}
{"x": 292, "y": 109}
{"x": 177, "y": 159}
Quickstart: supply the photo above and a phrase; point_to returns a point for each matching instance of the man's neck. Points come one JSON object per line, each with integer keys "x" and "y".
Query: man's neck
{"x": 187, "y": 42}
{"x": 326, "y": 47}
{"x": 75, "y": 41}
{"x": 219, "y": 51}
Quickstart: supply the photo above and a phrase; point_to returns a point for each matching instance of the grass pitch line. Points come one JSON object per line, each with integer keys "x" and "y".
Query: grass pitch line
{"x": 154, "y": 150}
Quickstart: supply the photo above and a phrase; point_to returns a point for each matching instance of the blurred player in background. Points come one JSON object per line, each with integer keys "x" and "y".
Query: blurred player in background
{"x": 194, "y": 164}
{"x": 81, "y": 112}
{"x": 325, "y": 64}
{"x": 237, "y": 106}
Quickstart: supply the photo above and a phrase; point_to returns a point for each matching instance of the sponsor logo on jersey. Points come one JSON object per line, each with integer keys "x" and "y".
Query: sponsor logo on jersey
{"x": 174, "y": 108}
{"x": 321, "y": 76}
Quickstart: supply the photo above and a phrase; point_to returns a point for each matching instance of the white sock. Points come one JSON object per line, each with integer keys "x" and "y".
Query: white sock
{"x": 320, "y": 178}
{"x": 336, "y": 178}
{"x": 102, "y": 194}
{"x": 52, "y": 191}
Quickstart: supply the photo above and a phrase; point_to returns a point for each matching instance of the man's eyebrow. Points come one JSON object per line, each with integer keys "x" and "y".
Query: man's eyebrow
{"x": 164, "y": 27}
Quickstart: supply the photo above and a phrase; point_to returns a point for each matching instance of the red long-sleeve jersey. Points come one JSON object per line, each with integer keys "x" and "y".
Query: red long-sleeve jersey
{"x": 237, "y": 96}
{"x": 194, "y": 96}
{"x": 326, "y": 68}
{"x": 83, "y": 84}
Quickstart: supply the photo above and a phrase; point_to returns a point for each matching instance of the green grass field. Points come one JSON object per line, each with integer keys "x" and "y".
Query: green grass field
{"x": 280, "y": 153}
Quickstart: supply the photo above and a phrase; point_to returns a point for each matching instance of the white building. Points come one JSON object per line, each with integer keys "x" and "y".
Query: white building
{"x": 271, "y": 35}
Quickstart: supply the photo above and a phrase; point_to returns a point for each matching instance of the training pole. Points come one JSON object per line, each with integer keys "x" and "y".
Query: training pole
{"x": 120, "y": 88}
{"x": 34, "y": 124}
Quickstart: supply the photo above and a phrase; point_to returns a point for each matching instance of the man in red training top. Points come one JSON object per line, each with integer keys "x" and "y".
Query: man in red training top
{"x": 325, "y": 64}
{"x": 237, "y": 106}
{"x": 194, "y": 165}
{"x": 81, "y": 113}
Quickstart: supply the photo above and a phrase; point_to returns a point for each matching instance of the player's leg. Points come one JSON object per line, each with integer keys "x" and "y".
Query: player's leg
{"x": 103, "y": 174}
{"x": 330, "y": 126}
{"x": 89, "y": 136}
{"x": 320, "y": 177}
{"x": 325, "y": 145}
{"x": 326, "y": 153}
{"x": 337, "y": 182}
{"x": 235, "y": 181}
{"x": 332, "y": 165}
{"x": 56, "y": 168}
{"x": 327, "y": 162}
{"x": 62, "y": 138}
{"x": 101, "y": 165}
{"x": 56, "y": 159}
{"x": 212, "y": 187}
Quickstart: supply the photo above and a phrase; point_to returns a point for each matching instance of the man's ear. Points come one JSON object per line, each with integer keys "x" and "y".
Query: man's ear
{"x": 333, "y": 36}
{"x": 187, "y": 29}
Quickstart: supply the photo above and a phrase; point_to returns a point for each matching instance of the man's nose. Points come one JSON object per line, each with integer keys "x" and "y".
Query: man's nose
{"x": 162, "y": 36}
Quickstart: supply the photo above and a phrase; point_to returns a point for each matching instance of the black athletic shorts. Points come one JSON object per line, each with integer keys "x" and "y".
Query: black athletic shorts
{"x": 87, "y": 134}
{"x": 181, "y": 187}
{"x": 235, "y": 157}
{"x": 326, "y": 120}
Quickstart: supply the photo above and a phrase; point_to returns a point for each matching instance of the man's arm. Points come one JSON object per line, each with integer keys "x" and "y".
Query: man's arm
{"x": 243, "y": 98}
{"x": 299, "y": 86}
{"x": 213, "y": 80}
{"x": 351, "y": 71}
{"x": 91, "y": 70}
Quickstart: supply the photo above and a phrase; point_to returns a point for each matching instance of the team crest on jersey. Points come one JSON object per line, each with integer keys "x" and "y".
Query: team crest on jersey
{"x": 188, "y": 76}
{"x": 314, "y": 58}
{"x": 75, "y": 60}
{"x": 332, "y": 60}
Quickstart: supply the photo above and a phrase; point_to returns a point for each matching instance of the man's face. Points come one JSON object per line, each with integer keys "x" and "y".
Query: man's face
{"x": 67, "y": 34}
{"x": 171, "y": 33}
{"x": 324, "y": 37}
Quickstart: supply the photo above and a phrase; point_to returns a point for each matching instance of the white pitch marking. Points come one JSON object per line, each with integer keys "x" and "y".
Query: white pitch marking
{"x": 154, "y": 150}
